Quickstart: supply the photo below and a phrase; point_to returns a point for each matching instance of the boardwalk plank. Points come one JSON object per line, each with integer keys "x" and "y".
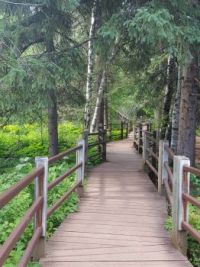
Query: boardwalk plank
{"x": 120, "y": 220}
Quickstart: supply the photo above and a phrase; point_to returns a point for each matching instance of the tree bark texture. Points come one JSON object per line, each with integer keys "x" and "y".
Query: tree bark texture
{"x": 98, "y": 101}
{"x": 102, "y": 86}
{"x": 169, "y": 91}
{"x": 52, "y": 123}
{"x": 90, "y": 67}
{"x": 52, "y": 109}
{"x": 176, "y": 113}
{"x": 105, "y": 112}
{"x": 188, "y": 109}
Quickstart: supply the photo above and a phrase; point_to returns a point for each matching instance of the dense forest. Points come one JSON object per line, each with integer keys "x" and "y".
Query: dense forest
{"x": 69, "y": 66}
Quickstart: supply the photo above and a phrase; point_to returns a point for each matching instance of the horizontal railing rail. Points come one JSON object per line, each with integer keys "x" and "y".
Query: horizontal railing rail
{"x": 39, "y": 209}
{"x": 187, "y": 198}
{"x": 150, "y": 153}
{"x": 14, "y": 190}
{"x": 63, "y": 154}
{"x": 173, "y": 173}
{"x": 80, "y": 162}
{"x": 37, "y": 175}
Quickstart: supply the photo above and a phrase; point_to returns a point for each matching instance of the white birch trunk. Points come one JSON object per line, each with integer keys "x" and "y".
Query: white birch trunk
{"x": 101, "y": 88}
{"x": 98, "y": 101}
{"x": 90, "y": 68}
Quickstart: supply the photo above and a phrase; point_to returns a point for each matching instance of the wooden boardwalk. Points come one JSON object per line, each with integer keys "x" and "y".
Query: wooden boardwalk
{"x": 119, "y": 222}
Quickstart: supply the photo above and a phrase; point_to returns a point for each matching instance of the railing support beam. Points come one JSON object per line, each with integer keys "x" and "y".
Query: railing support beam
{"x": 179, "y": 236}
{"x": 80, "y": 172}
{"x": 162, "y": 172}
{"x": 41, "y": 188}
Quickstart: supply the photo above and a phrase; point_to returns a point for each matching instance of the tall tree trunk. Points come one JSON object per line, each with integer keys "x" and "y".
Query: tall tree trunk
{"x": 105, "y": 111}
{"x": 176, "y": 113}
{"x": 102, "y": 112}
{"x": 102, "y": 86}
{"x": 98, "y": 101}
{"x": 169, "y": 91}
{"x": 52, "y": 108}
{"x": 52, "y": 122}
{"x": 188, "y": 108}
{"x": 87, "y": 117}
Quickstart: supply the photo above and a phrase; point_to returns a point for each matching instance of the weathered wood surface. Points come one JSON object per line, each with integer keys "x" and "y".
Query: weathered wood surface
{"x": 197, "y": 150}
{"x": 119, "y": 222}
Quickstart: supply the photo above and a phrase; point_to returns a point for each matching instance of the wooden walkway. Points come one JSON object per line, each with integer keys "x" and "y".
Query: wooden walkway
{"x": 119, "y": 222}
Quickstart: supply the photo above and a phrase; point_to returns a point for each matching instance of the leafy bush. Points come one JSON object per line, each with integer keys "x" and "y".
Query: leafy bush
{"x": 19, "y": 141}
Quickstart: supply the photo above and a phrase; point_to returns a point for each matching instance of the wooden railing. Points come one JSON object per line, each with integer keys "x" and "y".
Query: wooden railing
{"x": 39, "y": 209}
{"x": 36, "y": 210}
{"x": 150, "y": 151}
{"x": 99, "y": 139}
{"x": 173, "y": 181}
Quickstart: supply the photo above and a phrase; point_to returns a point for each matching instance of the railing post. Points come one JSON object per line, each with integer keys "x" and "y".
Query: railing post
{"x": 80, "y": 172}
{"x": 140, "y": 139}
{"x": 162, "y": 172}
{"x": 145, "y": 147}
{"x": 179, "y": 236}
{"x": 122, "y": 130}
{"x": 41, "y": 190}
{"x": 154, "y": 149}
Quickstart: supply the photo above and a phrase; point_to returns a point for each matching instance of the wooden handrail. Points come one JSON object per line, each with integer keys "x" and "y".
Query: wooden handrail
{"x": 62, "y": 199}
{"x": 38, "y": 207}
{"x": 187, "y": 227}
{"x": 192, "y": 170}
{"x": 16, "y": 234}
{"x": 152, "y": 153}
{"x": 186, "y": 197}
{"x": 191, "y": 199}
{"x": 154, "y": 140}
{"x": 14, "y": 190}
{"x": 31, "y": 245}
{"x": 179, "y": 196}
{"x": 169, "y": 171}
{"x": 152, "y": 168}
{"x": 93, "y": 156}
{"x": 170, "y": 151}
{"x": 168, "y": 191}
{"x": 63, "y": 176}
{"x": 63, "y": 154}
{"x": 94, "y": 144}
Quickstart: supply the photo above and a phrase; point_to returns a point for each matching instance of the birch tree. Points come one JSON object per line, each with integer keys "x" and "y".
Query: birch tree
{"x": 102, "y": 86}
{"x": 90, "y": 67}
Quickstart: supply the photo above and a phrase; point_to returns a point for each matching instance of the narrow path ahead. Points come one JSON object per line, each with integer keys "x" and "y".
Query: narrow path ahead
{"x": 119, "y": 222}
